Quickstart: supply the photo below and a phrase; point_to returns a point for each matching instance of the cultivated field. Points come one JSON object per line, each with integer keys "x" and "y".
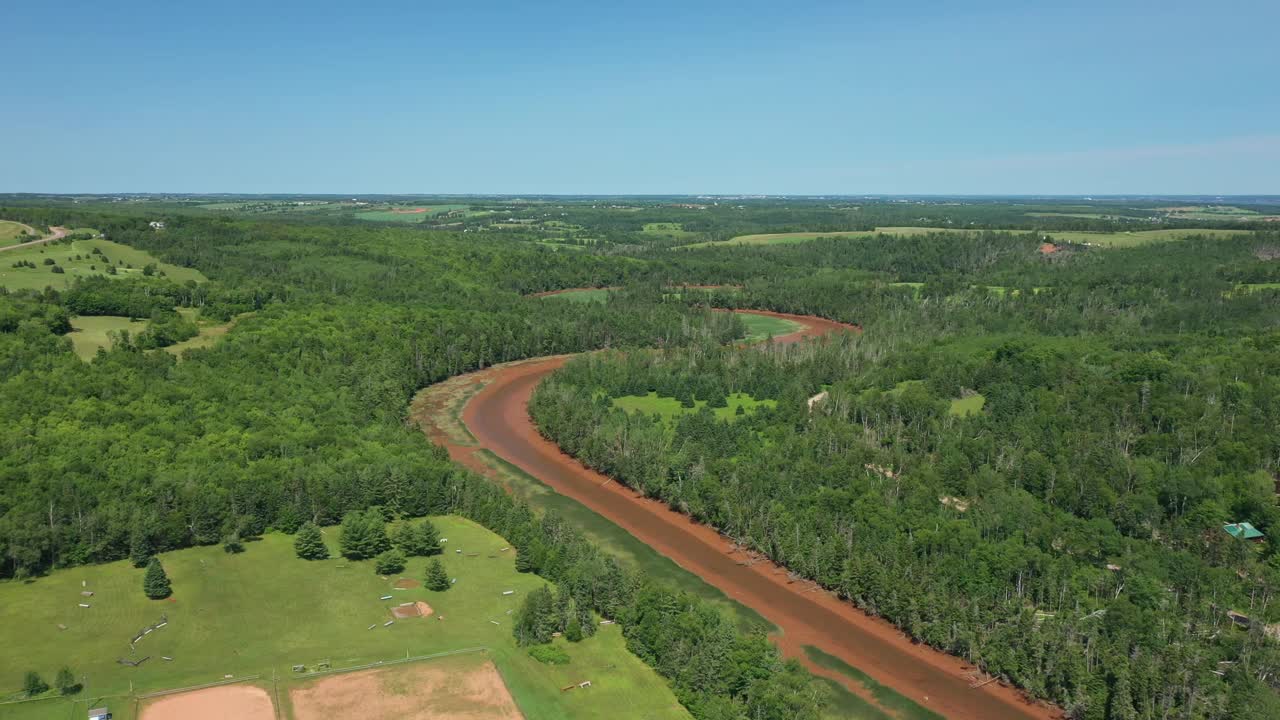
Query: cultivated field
{"x": 78, "y": 259}
{"x": 263, "y": 611}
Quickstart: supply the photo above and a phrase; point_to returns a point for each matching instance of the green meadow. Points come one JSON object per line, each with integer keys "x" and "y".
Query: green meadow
{"x": 92, "y": 332}
{"x": 15, "y": 232}
{"x": 798, "y": 237}
{"x": 670, "y": 408}
{"x": 77, "y": 259}
{"x": 263, "y": 611}
{"x": 760, "y": 327}
{"x": 391, "y": 214}
{"x": 1138, "y": 237}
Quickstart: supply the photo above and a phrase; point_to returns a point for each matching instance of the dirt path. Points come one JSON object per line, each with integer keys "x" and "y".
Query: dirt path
{"x": 56, "y": 233}
{"x": 498, "y": 418}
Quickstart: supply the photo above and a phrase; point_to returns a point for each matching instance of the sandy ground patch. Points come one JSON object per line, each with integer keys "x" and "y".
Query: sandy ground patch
{"x": 412, "y": 610}
{"x": 426, "y": 691}
{"x": 407, "y": 583}
{"x": 229, "y": 702}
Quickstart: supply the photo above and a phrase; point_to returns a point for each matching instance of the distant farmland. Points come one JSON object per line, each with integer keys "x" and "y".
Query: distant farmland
{"x": 1105, "y": 239}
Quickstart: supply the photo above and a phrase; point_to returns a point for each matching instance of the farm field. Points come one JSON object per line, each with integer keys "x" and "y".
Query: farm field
{"x": 1139, "y": 237}
{"x": 408, "y": 214}
{"x": 263, "y": 611}
{"x": 91, "y": 332}
{"x": 12, "y": 233}
{"x": 129, "y": 262}
{"x": 1104, "y": 239}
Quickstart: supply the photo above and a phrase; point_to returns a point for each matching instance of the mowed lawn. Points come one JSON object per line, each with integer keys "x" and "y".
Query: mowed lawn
{"x": 265, "y": 610}
{"x": 89, "y": 264}
{"x": 12, "y": 232}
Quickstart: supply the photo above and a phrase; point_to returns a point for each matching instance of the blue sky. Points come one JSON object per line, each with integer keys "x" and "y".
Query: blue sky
{"x": 654, "y": 97}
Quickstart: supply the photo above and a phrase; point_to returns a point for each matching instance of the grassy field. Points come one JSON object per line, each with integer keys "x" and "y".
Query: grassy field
{"x": 404, "y": 216}
{"x": 1104, "y": 239}
{"x": 967, "y": 406}
{"x": 210, "y": 331}
{"x": 1138, "y": 237}
{"x": 798, "y": 237}
{"x": 1251, "y": 287}
{"x": 670, "y": 408}
{"x": 666, "y": 229}
{"x": 586, "y": 295}
{"x": 263, "y": 611}
{"x": 88, "y": 264}
{"x": 90, "y": 333}
{"x": 760, "y": 327}
{"x": 12, "y": 233}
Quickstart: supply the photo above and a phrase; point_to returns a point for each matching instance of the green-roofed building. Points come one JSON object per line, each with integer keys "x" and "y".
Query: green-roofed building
{"x": 1243, "y": 530}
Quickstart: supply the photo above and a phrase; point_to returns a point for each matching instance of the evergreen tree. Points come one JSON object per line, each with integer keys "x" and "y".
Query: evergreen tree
{"x": 437, "y": 578}
{"x": 536, "y": 619}
{"x": 573, "y": 633}
{"x": 418, "y": 539}
{"x": 309, "y": 543}
{"x": 33, "y": 684}
{"x": 364, "y": 535}
{"x": 140, "y": 547}
{"x": 66, "y": 682}
{"x": 524, "y": 561}
{"x": 233, "y": 544}
{"x": 156, "y": 582}
{"x": 1122, "y": 698}
{"x": 389, "y": 562}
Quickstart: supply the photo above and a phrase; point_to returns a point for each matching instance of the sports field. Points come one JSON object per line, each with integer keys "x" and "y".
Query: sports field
{"x": 78, "y": 259}
{"x": 263, "y": 611}
{"x": 15, "y": 232}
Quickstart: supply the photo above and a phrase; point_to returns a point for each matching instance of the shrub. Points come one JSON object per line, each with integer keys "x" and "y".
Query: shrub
{"x": 309, "y": 544}
{"x": 549, "y": 654}
{"x": 156, "y": 582}
{"x": 437, "y": 578}
{"x": 389, "y": 562}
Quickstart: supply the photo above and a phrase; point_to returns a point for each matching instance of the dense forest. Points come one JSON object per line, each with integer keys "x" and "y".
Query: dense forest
{"x": 1130, "y": 402}
{"x": 1069, "y": 535}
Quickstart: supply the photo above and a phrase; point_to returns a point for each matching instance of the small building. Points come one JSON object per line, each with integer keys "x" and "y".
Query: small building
{"x": 1244, "y": 531}
{"x": 100, "y": 714}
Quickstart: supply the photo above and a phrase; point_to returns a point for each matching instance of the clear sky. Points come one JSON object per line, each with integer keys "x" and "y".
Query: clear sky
{"x": 541, "y": 96}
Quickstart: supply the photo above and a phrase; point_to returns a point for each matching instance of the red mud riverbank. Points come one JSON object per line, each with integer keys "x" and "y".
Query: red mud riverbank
{"x": 498, "y": 418}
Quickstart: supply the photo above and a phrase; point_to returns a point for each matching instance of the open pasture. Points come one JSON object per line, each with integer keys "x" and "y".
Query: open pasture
{"x": 1139, "y": 237}
{"x": 12, "y": 233}
{"x": 799, "y": 237}
{"x": 78, "y": 259}
{"x": 264, "y": 611}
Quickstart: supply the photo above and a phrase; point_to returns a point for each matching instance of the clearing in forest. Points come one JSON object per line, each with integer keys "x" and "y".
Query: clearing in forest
{"x": 82, "y": 258}
{"x": 455, "y": 688}
{"x": 12, "y": 233}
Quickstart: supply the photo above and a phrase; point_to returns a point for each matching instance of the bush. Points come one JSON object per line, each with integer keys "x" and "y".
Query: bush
{"x": 389, "y": 562}
{"x": 33, "y": 684}
{"x": 549, "y": 654}
{"x": 66, "y": 682}
{"x": 233, "y": 544}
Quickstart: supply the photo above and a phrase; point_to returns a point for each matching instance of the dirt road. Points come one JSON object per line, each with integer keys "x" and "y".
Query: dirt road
{"x": 498, "y": 418}
{"x": 56, "y": 233}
